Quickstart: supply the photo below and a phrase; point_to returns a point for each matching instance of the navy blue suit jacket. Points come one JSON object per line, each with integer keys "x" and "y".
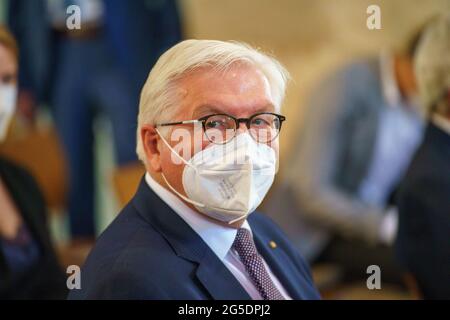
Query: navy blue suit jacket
{"x": 423, "y": 239}
{"x": 150, "y": 252}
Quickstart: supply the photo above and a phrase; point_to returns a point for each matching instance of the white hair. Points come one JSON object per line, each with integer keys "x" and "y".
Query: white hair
{"x": 158, "y": 99}
{"x": 432, "y": 62}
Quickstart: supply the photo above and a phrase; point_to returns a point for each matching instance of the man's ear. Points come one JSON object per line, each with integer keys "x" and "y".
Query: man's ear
{"x": 150, "y": 138}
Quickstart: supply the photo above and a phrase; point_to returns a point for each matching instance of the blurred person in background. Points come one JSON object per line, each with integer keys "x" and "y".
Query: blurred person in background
{"x": 423, "y": 241}
{"x": 28, "y": 264}
{"x": 361, "y": 128}
{"x": 97, "y": 68}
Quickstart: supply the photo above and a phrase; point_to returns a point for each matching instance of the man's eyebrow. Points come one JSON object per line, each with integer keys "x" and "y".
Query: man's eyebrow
{"x": 268, "y": 107}
{"x": 211, "y": 109}
{"x": 207, "y": 108}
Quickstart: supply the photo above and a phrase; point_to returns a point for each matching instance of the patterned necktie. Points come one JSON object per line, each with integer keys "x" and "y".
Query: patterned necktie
{"x": 254, "y": 265}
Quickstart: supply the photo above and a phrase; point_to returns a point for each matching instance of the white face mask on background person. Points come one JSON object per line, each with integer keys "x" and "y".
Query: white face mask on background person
{"x": 8, "y": 98}
{"x": 228, "y": 181}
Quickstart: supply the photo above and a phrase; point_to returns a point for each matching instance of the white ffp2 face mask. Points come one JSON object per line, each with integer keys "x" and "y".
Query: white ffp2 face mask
{"x": 228, "y": 182}
{"x": 8, "y": 97}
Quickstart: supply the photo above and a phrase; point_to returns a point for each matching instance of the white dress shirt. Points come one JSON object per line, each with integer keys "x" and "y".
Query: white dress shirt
{"x": 219, "y": 239}
{"x": 399, "y": 134}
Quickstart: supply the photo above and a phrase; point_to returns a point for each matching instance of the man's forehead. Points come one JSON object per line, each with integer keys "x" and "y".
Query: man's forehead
{"x": 237, "y": 79}
{"x": 239, "y": 89}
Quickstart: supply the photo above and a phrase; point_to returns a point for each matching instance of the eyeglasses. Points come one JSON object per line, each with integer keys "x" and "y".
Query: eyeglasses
{"x": 263, "y": 127}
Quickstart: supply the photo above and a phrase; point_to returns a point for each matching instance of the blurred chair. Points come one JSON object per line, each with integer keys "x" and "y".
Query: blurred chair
{"x": 327, "y": 277}
{"x": 73, "y": 253}
{"x": 413, "y": 286}
{"x": 329, "y": 280}
{"x": 39, "y": 152}
{"x": 126, "y": 180}
{"x": 358, "y": 291}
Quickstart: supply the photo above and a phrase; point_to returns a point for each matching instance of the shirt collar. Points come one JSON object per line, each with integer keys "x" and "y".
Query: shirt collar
{"x": 218, "y": 237}
{"x": 441, "y": 122}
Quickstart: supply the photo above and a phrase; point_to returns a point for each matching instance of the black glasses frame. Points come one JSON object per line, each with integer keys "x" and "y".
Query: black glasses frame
{"x": 238, "y": 121}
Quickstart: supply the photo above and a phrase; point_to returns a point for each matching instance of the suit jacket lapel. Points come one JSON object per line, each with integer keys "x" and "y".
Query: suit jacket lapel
{"x": 211, "y": 272}
{"x": 218, "y": 280}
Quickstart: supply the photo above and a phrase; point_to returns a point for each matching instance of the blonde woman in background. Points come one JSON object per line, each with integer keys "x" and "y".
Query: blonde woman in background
{"x": 28, "y": 265}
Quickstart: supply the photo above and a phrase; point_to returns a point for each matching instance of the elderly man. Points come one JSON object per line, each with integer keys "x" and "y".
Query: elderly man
{"x": 208, "y": 135}
{"x": 423, "y": 242}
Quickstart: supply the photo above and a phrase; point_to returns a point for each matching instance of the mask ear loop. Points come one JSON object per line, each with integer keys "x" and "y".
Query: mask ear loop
{"x": 195, "y": 203}
{"x": 171, "y": 149}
